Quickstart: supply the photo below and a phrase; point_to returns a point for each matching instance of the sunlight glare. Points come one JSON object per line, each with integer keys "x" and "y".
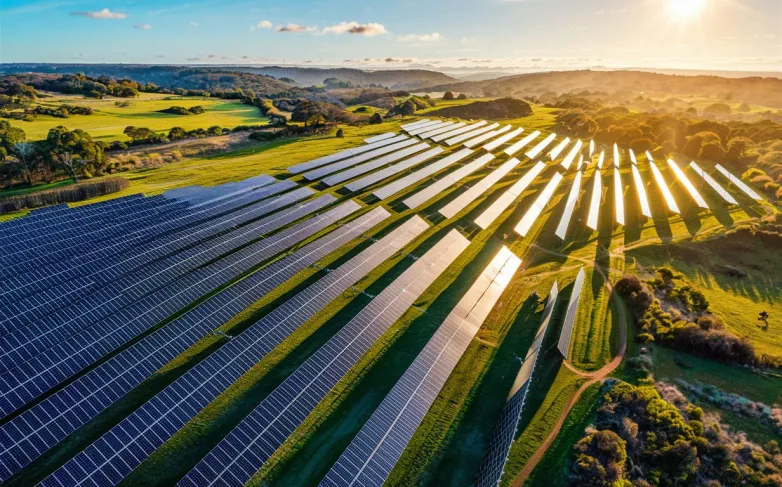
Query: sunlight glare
{"x": 683, "y": 10}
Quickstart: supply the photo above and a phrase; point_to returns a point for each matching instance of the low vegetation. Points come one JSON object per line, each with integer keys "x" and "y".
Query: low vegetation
{"x": 501, "y": 109}
{"x": 72, "y": 193}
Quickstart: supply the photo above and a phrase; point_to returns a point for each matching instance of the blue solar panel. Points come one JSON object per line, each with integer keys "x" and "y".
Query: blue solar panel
{"x": 249, "y": 445}
{"x": 30, "y": 434}
{"x": 156, "y": 421}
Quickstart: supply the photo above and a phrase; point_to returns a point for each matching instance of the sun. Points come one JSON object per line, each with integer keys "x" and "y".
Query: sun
{"x": 683, "y": 10}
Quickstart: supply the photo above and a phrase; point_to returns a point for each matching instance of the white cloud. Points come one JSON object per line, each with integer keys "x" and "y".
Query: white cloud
{"x": 369, "y": 30}
{"x": 102, "y": 14}
{"x": 433, "y": 37}
{"x": 142, "y": 27}
{"x": 264, "y": 24}
{"x": 195, "y": 24}
{"x": 295, "y": 28}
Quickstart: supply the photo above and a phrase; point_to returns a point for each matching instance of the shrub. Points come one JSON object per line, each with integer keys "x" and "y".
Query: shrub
{"x": 68, "y": 194}
{"x": 375, "y": 119}
{"x": 340, "y": 133}
{"x": 448, "y": 95}
{"x": 461, "y": 96}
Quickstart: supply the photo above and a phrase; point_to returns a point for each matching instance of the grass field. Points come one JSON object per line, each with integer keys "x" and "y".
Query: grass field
{"x": 109, "y": 120}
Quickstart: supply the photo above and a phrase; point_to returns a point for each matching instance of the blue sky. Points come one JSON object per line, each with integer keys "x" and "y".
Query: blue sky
{"x": 464, "y": 34}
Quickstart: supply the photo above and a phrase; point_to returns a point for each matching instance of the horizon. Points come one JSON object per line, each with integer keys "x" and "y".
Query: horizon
{"x": 499, "y": 35}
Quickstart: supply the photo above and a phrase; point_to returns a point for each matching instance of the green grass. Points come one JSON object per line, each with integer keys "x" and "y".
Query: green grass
{"x": 109, "y": 120}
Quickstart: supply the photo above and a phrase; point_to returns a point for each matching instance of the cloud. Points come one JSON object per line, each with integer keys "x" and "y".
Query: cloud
{"x": 195, "y": 24}
{"x": 142, "y": 27}
{"x": 264, "y": 24}
{"x": 102, "y": 14}
{"x": 433, "y": 37}
{"x": 295, "y": 28}
{"x": 369, "y": 30}
{"x": 194, "y": 59}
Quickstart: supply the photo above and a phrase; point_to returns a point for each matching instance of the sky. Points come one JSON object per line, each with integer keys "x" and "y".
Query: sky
{"x": 511, "y": 35}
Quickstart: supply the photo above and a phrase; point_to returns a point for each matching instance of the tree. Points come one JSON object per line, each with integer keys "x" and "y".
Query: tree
{"x": 72, "y": 164}
{"x": 461, "y": 96}
{"x": 316, "y": 121}
{"x": 340, "y": 133}
{"x": 177, "y": 133}
{"x": 215, "y": 130}
{"x": 25, "y": 152}
{"x": 448, "y": 95}
{"x": 406, "y": 108}
{"x": 375, "y": 119}
{"x": 10, "y": 136}
{"x": 138, "y": 133}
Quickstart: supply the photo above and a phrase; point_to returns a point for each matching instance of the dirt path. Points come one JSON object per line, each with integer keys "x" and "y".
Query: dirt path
{"x": 593, "y": 377}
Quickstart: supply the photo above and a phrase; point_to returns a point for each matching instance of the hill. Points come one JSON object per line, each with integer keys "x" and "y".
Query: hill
{"x": 398, "y": 79}
{"x": 761, "y": 91}
{"x": 502, "y": 108}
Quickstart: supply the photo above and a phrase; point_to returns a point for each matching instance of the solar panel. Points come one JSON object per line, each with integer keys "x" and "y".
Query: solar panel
{"x": 513, "y": 149}
{"x": 601, "y": 159}
{"x": 162, "y": 416}
{"x": 389, "y": 171}
{"x": 616, "y": 155}
{"x": 641, "y": 190}
{"x": 428, "y": 123}
{"x": 739, "y": 183}
{"x": 632, "y": 156}
{"x": 441, "y": 130}
{"x": 378, "y": 138}
{"x": 427, "y": 128}
{"x": 572, "y": 199}
{"x": 461, "y": 130}
{"x": 257, "y": 437}
{"x": 667, "y": 196}
{"x": 472, "y": 133}
{"x": 570, "y": 316}
{"x": 594, "y": 204}
{"x": 114, "y": 296}
{"x": 504, "y": 201}
{"x": 446, "y": 181}
{"x": 48, "y": 369}
{"x": 535, "y": 151}
{"x": 537, "y": 207}
{"x": 372, "y": 165}
{"x": 318, "y": 173}
{"x": 464, "y": 199}
{"x": 619, "y": 201}
{"x": 414, "y": 124}
{"x": 714, "y": 184}
{"x": 484, "y": 137}
{"x": 570, "y": 157}
{"x": 554, "y": 153}
{"x": 489, "y": 147}
{"x": 25, "y": 311}
{"x": 580, "y": 162}
{"x": 322, "y": 161}
{"x": 696, "y": 196}
{"x": 37, "y": 429}
{"x": 372, "y": 454}
{"x": 493, "y": 464}
{"x": 407, "y": 181}
{"x": 591, "y": 148}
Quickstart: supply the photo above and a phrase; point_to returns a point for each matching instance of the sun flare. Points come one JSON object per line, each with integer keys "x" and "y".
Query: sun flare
{"x": 683, "y": 10}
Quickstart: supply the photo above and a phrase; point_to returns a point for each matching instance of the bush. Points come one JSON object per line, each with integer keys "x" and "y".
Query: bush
{"x": 68, "y": 194}
{"x": 375, "y": 119}
{"x": 461, "y": 96}
{"x": 448, "y": 95}
{"x": 340, "y": 133}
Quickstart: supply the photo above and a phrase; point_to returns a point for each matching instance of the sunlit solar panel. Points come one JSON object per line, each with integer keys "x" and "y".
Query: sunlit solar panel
{"x": 529, "y": 218}
{"x": 446, "y": 181}
{"x": 484, "y": 137}
{"x": 572, "y": 199}
{"x": 616, "y": 155}
{"x": 714, "y": 184}
{"x": 667, "y": 195}
{"x": 513, "y": 149}
{"x": 501, "y": 140}
{"x": 601, "y": 159}
{"x": 554, "y": 153}
{"x": 454, "y": 132}
{"x": 535, "y": 151}
{"x": 504, "y": 201}
{"x": 414, "y": 124}
{"x": 594, "y": 204}
{"x": 739, "y": 183}
{"x": 427, "y": 128}
{"x": 572, "y": 155}
{"x": 378, "y": 138}
{"x": 641, "y": 190}
{"x": 696, "y": 196}
{"x": 572, "y": 313}
{"x": 469, "y": 135}
{"x": 591, "y": 148}
{"x": 580, "y": 162}
{"x": 478, "y": 189}
{"x": 632, "y": 156}
{"x": 619, "y": 198}
{"x": 441, "y": 130}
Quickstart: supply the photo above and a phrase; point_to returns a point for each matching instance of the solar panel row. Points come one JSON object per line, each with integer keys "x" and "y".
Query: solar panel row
{"x": 441, "y": 130}
{"x": 571, "y": 156}
{"x": 234, "y": 460}
{"x": 426, "y": 128}
{"x": 390, "y": 171}
{"x": 570, "y": 317}
{"x": 696, "y": 196}
{"x": 446, "y": 181}
{"x": 667, "y": 195}
{"x": 643, "y": 200}
{"x": 317, "y": 174}
{"x": 739, "y": 183}
{"x": 322, "y": 161}
{"x": 464, "y": 199}
{"x": 468, "y": 135}
{"x": 570, "y": 205}
{"x": 493, "y": 464}
{"x": 378, "y": 138}
{"x": 535, "y": 151}
{"x": 25, "y": 311}
{"x": 514, "y": 148}
{"x": 414, "y": 124}
{"x": 461, "y": 130}
{"x": 491, "y": 146}
{"x": 504, "y": 201}
{"x": 619, "y": 201}
{"x": 372, "y": 454}
{"x": 428, "y": 123}
{"x": 532, "y": 214}
{"x": 601, "y": 159}
{"x": 372, "y": 165}
{"x": 594, "y": 202}
{"x": 46, "y": 370}
{"x": 29, "y": 435}
{"x": 557, "y": 150}
{"x": 130, "y": 442}
{"x": 116, "y": 296}
{"x": 484, "y": 137}
{"x": 714, "y": 184}
{"x": 407, "y": 181}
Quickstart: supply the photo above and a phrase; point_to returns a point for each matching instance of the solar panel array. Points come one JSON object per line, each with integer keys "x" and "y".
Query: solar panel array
{"x": 427, "y": 123}
{"x": 372, "y": 165}
{"x": 594, "y": 202}
{"x": 619, "y": 201}
{"x": 372, "y": 454}
{"x": 532, "y": 214}
{"x": 514, "y": 148}
{"x": 441, "y": 130}
{"x": 490, "y": 146}
{"x": 423, "y": 173}
{"x": 484, "y": 137}
{"x": 570, "y": 205}
{"x": 136, "y": 437}
{"x": 414, "y": 124}
{"x": 318, "y": 173}
{"x": 30, "y": 434}
{"x": 426, "y": 128}
{"x": 643, "y": 200}
{"x": 455, "y": 132}
{"x": 493, "y": 464}
{"x": 234, "y": 460}
{"x": 446, "y": 181}
{"x": 714, "y": 184}
{"x": 535, "y": 151}
{"x": 557, "y": 150}
{"x": 667, "y": 195}
{"x": 696, "y": 196}
{"x": 739, "y": 183}
{"x": 464, "y": 199}
{"x": 504, "y": 201}
{"x": 322, "y": 161}
{"x": 427, "y": 131}
{"x": 571, "y": 156}
{"x": 390, "y": 171}
{"x": 570, "y": 317}
{"x": 469, "y": 135}
{"x": 378, "y": 138}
